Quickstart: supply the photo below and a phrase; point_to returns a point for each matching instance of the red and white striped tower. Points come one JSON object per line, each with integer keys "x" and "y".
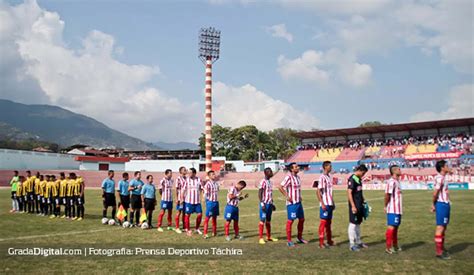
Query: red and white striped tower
{"x": 209, "y": 43}
{"x": 208, "y": 129}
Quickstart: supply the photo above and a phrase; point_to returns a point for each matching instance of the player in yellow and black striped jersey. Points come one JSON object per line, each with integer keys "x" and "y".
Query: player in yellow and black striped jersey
{"x": 71, "y": 207}
{"x": 24, "y": 187}
{"x": 80, "y": 198}
{"x": 41, "y": 190}
{"x": 62, "y": 194}
{"x": 36, "y": 197}
{"x": 54, "y": 185}
{"x": 20, "y": 194}
{"x": 28, "y": 187}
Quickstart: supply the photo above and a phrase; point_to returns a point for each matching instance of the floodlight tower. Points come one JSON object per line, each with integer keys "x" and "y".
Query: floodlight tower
{"x": 209, "y": 43}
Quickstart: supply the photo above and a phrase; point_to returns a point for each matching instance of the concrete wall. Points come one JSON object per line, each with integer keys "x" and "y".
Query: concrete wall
{"x": 20, "y": 160}
{"x": 160, "y": 165}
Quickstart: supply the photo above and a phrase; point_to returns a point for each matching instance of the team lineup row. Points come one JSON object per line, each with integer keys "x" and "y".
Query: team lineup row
{"x": 136, "y": 194}
{"x": 137, "y": 200}
{"x": 44, "y": 195}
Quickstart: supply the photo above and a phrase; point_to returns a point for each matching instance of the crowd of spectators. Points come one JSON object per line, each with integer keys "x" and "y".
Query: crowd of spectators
{"x": 449, "y": 143}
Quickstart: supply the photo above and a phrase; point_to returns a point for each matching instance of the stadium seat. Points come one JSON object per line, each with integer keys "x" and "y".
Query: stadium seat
{"x": 350, "y": 154}
{"x": 425, "y": 148}
{"x": 302, "y": 156}
{"x": 327, "y": 154}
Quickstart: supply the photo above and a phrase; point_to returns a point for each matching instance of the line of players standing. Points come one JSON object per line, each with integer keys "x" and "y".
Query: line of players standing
{"x": 45, "y": 194}
{"x": 189, "y": 188}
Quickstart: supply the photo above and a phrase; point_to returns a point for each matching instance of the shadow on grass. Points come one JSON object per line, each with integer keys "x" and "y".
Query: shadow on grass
{"x": 412, "y": 245}
{"x": 460, "y": 247}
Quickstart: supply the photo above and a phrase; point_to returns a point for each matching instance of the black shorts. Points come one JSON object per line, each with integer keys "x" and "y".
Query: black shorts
{"x": 31, "y": 196}
{"x": 358, "y": 217}
{"x": 62, "y": 200}
{"x": 109, "y": 200}
{"x": 136, "y": 202}
{"x": 80, "y": 200}
{"x": 125, "y": 201}
{"x": 149, "y": 204}
{"x": 13, "y": 195}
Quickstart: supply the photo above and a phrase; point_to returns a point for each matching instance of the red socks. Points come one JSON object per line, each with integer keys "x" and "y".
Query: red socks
{"x": 329, "y": 232}
{"x": 269, "y": 230}
{"x": 260, "y": 230}
{"x": 226, "y": 228}
{"x": 206, "y": 225}
{"x": 439, "y": 244}
{"x": 214, "y": 225}
{"x": 289, "y": 223}
{"x": 170, "y": 215}
{"x": 322, "y": 227}
{"x": 160, "y": 218}
{"x": 176, "y": 220}
{"x": 236, "y": 228}
{"x": 395, "y": 237}
{"x": 389, "y": 238}
{"x": 198, "y": 221}
{"x": 300, "y": 228}
{"x": 186, "y": 222}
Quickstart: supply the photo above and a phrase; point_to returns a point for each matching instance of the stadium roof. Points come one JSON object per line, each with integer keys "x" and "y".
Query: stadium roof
{"x": 388, "y": 128}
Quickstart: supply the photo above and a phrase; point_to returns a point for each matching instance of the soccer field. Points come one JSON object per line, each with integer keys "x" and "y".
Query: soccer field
{"x": 416, "y": 238}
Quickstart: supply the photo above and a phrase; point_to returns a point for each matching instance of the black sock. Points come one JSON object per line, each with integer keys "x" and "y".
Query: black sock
{"x": 137, "y": 216}
{"x": 73, "y": 211}
{"x": 113, "y": 213}
{"x": 104, "y": 213}
{"x": 131, "y": 216}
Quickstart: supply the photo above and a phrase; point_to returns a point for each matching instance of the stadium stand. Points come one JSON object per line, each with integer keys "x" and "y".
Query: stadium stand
{"x": 327, "y": 154}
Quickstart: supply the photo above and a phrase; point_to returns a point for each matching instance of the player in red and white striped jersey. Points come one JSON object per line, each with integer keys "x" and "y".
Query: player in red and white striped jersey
{"x": 165, "y": 189}
{"x": 327, "y": 206}
{"x": 393, "y": 209}
{"x": 265, "y": 195}
{"x": 211, "y": 193}
{"x": 180, "y": 181}
{"x": 291, "y": 189}
{"x": 192, "y": 201}
{"x": 442, "y": 207}
{"x": 231, "y": 212}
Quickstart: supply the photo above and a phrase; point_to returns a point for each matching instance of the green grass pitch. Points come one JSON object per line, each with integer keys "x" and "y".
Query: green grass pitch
{"x": 416, "y": 238}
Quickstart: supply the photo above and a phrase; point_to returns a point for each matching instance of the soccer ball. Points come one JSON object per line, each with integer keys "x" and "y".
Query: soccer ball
{"x": 105, "y": 221}
{"x": 126, "y": 225}
{"x": 111, "y": 222}
{"x": 144, "y": 225}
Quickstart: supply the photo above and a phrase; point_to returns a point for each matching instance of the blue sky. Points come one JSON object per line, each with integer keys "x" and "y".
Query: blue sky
{"x": 299, "y": 64}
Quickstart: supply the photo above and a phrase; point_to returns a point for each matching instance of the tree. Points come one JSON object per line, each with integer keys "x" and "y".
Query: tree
{"x": 371, "y": 124}
{"x": 250, "y": 144}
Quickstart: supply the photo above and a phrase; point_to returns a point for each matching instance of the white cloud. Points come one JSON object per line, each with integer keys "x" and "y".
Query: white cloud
{"x": 245, "y": 105}
{"x": 89, "y": 80}
{"x": 280, "y": 31}
{"x": 307, "y": 67}
{"x": 460, "y": 105}
{"x": 338, "y": 7}
{"x": 371, "y": 26}
{"x": 321, "y": 67}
